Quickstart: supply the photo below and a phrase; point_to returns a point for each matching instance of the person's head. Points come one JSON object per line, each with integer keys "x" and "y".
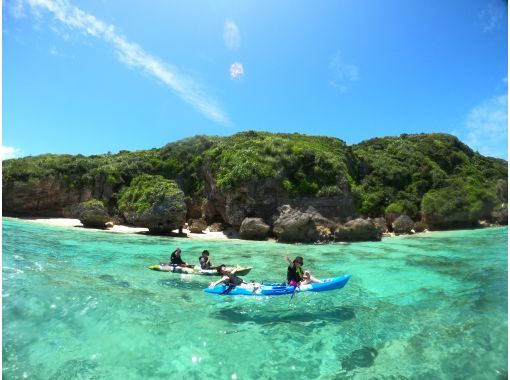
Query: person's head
{"x": 298, "y": 261}
{"x": 222, "y": 268}
{"x": 178, "y": 251}
{"x": 306, "y": 274}
{"x": 205, "y": 253}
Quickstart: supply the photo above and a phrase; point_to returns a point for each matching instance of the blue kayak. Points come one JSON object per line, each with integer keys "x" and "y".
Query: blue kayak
{"x": 278, "y": 289}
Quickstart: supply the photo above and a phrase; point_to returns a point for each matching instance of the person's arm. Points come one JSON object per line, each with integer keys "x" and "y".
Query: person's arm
{"x": 179, "y": 261}
{"x": 213, "y": 284}
{"x": 291, "y": 264}
{"x": 237, "y": 268}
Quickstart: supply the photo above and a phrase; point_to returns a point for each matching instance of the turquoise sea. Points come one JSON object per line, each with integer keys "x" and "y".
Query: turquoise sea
{"x": 81, "y": 304}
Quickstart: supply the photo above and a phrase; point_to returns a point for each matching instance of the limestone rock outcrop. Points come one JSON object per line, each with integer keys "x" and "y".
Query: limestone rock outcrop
{"x": 358, "y": 230}
{"x": 92, "y": 214}
{"x": 41, "y": 197}
{"x": 217, "y": 227}
{"x": 294, "y": 226}
{"x": 403, "y": 225}
{"x": 162, "y": 217}
{"x": 500, "y": 216}
{"x": 381, "y": 225}
{"x": 153, "y": 202}
{"x": 254, "y": 229}
{"x": 197, "y": 226}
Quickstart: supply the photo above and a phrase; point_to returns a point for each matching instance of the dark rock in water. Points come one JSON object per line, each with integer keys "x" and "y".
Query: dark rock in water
{"x": 185, "y": 297}
{"x": 254, "y": 229}
{"x": 112, "y": 281}
{"x": 236, "y": 315}
{"x": 364, "y": 357}
{"x": 107, "y": 277}
{"x": 77, "y": 369}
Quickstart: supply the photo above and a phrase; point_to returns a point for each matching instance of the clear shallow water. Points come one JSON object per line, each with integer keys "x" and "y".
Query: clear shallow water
{"x": 82, "y": 304}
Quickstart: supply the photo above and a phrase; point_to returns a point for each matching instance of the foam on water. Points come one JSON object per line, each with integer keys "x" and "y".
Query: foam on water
{"x": 82, "y": 304}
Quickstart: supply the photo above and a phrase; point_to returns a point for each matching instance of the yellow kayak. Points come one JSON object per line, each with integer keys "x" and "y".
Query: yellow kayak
{"x": 198, "y": 270}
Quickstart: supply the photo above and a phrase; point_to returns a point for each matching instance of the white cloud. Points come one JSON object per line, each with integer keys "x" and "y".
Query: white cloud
{"x": 343, "y": 74}
{"x": 73, "y": 18}
{"x": 491, "y": 16}
{"x": 231, "y": 35}
{"x": 236, "y": 70}
{"x": 16, "y": 8}
{"x": 7, "y": 152}
{"x": 486, "y": 127}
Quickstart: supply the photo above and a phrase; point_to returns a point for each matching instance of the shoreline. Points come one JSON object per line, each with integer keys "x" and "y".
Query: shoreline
{"x": 124, "y": 229}
{"x": 206, "y": 235}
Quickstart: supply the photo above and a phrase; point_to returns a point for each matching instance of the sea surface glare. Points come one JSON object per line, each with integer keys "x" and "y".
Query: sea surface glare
{"x": 82, "y": 304}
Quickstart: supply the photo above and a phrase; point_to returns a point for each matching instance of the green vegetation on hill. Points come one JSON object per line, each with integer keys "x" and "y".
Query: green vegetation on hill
{"x": 304, "y": 165}
{"x": 78, "y": 171}
{"x": 394, "y": 174}
{"x": 183, "y": 161}
{"x": 146, "y": 190}
{"x": 430, "y": 175}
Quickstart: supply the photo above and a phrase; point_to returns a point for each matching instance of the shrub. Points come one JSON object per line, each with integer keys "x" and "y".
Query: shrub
{"x": 144, "y": 191}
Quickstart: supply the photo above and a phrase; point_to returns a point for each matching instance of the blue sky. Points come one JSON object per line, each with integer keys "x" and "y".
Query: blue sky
{"x": 91, "y": 77}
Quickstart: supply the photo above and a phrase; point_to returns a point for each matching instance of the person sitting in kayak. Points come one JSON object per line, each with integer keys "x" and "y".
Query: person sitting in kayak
{"x": 295, "y": 275}
{"x": 229, "y": 278}
{"x": 309, "y": 279}
{"x": 294, "y": 271}
{"x": 175, "y": 258}
{"x": 205, "y": 261}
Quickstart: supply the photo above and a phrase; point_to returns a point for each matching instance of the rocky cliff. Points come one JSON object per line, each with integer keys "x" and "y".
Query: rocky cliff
{"x": 253, "y": 174}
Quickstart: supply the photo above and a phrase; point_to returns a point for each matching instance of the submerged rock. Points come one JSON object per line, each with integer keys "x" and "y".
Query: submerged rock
{"x": 364, "y": 357}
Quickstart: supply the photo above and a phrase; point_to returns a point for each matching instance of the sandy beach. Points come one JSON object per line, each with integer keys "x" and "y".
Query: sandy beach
{"x": 122, "y": 229}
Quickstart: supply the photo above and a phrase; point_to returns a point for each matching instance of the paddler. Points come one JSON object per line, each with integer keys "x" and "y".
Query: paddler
{"x": 175, "y": 259}
{"x": 229, "y": 278}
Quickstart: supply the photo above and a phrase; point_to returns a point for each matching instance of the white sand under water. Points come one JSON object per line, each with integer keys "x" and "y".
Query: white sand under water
{"x": 122, "y": 229}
